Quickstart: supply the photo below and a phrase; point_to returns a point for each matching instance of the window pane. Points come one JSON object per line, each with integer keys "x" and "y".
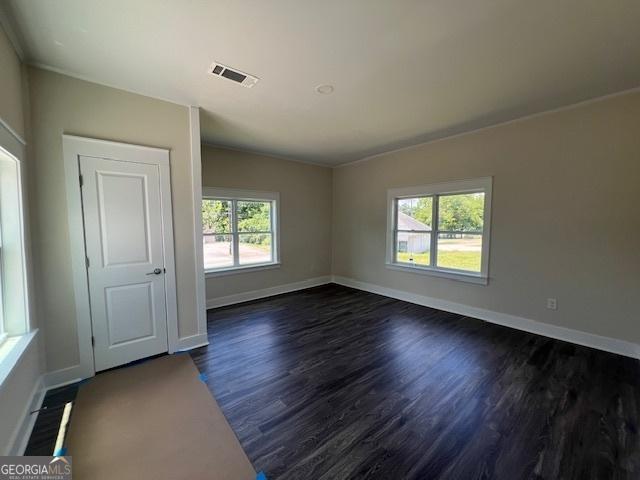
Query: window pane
{"x": 414, "y": 213}
{"x": 254, "y": 216}
{"x": 255, "y": 248}
{"x": 412, "y": 247}
{"x": 216, "y": 216}
{"x": 461, "y": 213}
{"x": 460, "y": 251}
{"x": 218, "y": 250}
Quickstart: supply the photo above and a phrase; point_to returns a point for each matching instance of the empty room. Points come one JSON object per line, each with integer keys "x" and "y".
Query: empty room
{"x": 319, "y": 240}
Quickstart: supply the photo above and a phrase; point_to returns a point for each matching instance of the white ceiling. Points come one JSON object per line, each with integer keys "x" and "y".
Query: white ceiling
{"x": 404, "y": 71}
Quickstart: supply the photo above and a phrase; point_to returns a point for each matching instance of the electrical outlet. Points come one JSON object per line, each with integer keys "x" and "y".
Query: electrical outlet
{"x": 552, "y": 304}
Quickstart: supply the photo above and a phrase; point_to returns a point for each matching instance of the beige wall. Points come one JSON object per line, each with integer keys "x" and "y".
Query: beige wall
{"x": 305, "y": 215}
{"x": 565, "y": 216}
{"x": 61, "y": 104}
{"x": 23, "y": 381}
{"x": 16, "y": 395}
{"x": 11, "y": 91}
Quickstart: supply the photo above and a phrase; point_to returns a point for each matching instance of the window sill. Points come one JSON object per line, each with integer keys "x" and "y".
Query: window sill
{"x": 11, "y": 352}
{"x": 243, "y": 269}
{"x": 450, "y": 274}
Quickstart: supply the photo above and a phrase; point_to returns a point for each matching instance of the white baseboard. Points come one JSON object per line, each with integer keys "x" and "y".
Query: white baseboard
{"x": 62, "y": 377}
{"x": 194, "y": 341}
{"x": 75, "y": 373}
{"x": 599, "y": 342}
{"x": 27, "y": 420}
{"x": 266, "y": 292}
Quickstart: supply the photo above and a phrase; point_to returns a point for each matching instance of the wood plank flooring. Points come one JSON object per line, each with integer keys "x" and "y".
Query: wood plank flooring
{"x": 335, "y": 383}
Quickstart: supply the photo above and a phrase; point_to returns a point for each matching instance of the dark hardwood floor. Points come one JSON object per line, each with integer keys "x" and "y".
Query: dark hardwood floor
{"x": 334, "y": 383}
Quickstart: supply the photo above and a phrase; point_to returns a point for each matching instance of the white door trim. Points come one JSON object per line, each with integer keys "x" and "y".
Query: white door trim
{"x": 73, "y": 147}
{"x": 196, "y": 183}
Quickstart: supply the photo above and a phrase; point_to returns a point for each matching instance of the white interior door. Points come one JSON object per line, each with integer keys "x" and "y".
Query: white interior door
{"x": 122, "y": 209}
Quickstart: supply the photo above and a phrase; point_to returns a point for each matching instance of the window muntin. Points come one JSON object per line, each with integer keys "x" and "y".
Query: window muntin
{"x": 238, "y": 231}
{"x": 441, "y": 228}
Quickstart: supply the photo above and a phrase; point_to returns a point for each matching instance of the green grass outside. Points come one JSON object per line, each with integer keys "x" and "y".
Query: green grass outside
{"x": 447, "y": 259}
{"x": 266, "y": 247}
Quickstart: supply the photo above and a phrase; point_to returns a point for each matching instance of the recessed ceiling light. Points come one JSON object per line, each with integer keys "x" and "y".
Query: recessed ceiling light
{"x": 324, "y": 89}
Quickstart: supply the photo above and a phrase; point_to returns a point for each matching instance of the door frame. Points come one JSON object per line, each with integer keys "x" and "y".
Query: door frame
{"x": 73, "y": 148}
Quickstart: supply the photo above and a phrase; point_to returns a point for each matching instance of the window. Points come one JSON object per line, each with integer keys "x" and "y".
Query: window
{"x": 3, "y": 334}
{"x": 441, "y": 229}
{"x": 15, "y": 333}
{"x": 239, "y": 229}
{"x": 14, "y": 311}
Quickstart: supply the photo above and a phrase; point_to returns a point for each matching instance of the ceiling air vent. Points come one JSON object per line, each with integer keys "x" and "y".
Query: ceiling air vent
{"x": 232, "y": 74}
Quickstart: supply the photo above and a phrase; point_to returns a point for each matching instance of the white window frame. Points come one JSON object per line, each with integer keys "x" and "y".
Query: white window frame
{"x": 237, "y": 195}
{"x": 3, "y": 333}
{"x": 478, "y": 185}
{"x": 14, "y": 310}
{"x": 18, "y": 333}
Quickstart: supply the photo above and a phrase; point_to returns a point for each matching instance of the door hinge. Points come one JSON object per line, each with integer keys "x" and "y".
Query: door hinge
{"x": 81, "y": 181}
{"x": 93, "y": 341}
{"x": 86, "y": 260}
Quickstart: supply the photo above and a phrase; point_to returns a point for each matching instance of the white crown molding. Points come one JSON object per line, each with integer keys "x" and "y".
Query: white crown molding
{"x": 208, "y": 143}
{"x": 524, "y": 118}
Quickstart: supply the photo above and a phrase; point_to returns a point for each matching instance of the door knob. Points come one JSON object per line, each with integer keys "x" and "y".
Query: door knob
{"x": 156, "y": 271}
